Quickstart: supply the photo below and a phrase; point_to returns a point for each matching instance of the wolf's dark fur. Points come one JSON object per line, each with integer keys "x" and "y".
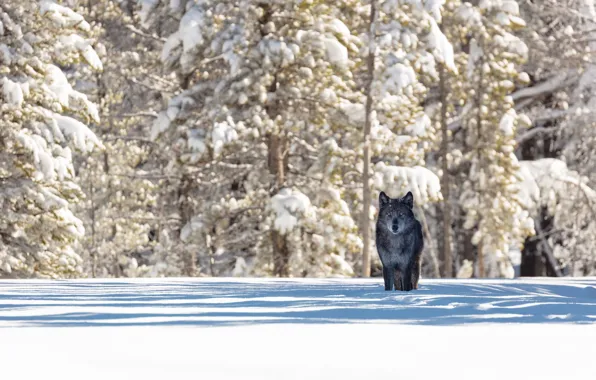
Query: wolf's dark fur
{"x": 399, "y": 242}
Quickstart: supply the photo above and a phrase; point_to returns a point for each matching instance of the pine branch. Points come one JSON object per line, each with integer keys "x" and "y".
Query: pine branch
{"x": 143, "y": 34}
{"x": 530, "y": 134}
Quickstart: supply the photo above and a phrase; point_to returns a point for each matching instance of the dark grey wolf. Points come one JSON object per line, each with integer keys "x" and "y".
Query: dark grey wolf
{"x": 399, "y": 242}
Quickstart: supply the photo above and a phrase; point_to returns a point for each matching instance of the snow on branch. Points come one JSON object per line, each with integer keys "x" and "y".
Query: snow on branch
{"x": 397, "y": 180}
{"x": 443, "y": 47}
{"x": 289, "y": 206}
{"x": 62, "y": 16}
{"x": 546, "y": 87}
{"x": 547, "y": 180}
{"x": 82, "y": 137}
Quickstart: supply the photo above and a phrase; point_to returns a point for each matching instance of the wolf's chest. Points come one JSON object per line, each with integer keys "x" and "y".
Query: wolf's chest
{"x": 395, "y": 249}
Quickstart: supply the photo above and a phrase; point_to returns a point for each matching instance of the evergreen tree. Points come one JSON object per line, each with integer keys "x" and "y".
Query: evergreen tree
{"x": 121, "y": 182}
{"x": 407, "y": 46}
{"x": 559, "y": 99}
{"x": 489, "y": 196}
{"x": 40, "y": 44}
{"x": 259, "y": 84}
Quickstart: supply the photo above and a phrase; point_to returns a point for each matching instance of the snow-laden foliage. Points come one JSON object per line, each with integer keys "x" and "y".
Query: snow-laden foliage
{"x": 41, "y": 130}
{"x": 288, "y": 207}
{"x": 261, "y": 94}
{"x": 559, "y": 98}
{"x": 550, "y": 190}
{"x": 538, "y": 113}
{"x": 261, "y": 81}
{"x": 235, "y": 135}
{"x": 423, "y": 184}
{"x": 489, "y": 194}
{"x": 120, "y": 212}
{"x": 408, "y": 47}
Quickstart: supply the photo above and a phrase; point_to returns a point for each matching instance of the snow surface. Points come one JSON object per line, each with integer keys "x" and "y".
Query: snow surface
{"x": 297, "y": 329}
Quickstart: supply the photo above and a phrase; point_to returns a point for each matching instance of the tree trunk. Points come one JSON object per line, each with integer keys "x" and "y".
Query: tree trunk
{"x": 465, "y": 250}
{"x": 533, "y": 264}
{"x": 446, "y": 256}
{"x": 185, "y": 213}
{"x": 277, "y": 167}
{"x": 428, "y": 247}
{"x": 281, "y": 255}
{"x": 481, "y": 272}
{"x": 93, "y": 250}
{"x": 366, "y": 191}
{"x": 277, "y": 161}
{"x": 480, "y": 256}
{"x": 537, "y": 255}
{"x": 469, "y": 250}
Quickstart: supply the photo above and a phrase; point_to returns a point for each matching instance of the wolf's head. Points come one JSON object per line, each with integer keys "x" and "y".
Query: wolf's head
{"x": 395, "y": 215}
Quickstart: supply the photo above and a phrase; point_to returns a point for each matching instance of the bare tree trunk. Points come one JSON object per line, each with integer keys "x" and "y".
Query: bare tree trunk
{"x": 549, "y": 254}
{"x": 184, "y": 209}
{"x": 211, "y": 249}
{"x": 538, "y": 258}
{"x": 480, "y": 257}
{"x": 481, "y": 272}
{"x": 93, "y": 250}
{"x": 101, "y": 94}
{"x": 428, "y": 246}
{"x": 446, "y": 256}
{"x": 277, "y": 161}
{"x": 277, "y": 167}
{"x": 468, "y": 248}
{"x": 185, "y": 213}
{"x": 366, "y": 191}
{"x": 281, "y": 255}
{"x": 465, "y": 250}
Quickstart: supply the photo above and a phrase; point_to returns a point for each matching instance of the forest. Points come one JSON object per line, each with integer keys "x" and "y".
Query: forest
{"x": 161, "y": 138}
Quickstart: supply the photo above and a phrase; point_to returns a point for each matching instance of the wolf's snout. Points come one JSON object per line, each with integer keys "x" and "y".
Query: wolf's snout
{"x": 394, "y": 226}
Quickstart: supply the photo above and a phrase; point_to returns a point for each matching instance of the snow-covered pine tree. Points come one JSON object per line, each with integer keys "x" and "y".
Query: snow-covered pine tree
{"x": 41, "y": 131}
{"x": 489, "y": 121}
{"x": 442, "y": 106}
{"x": 559, "y": 99}
{"x": 562, "y": 205}
{"x": 261, "y": 80}
{"x": 407, "y": 47}
{"x": 120, "y": 182}
{"x": 560, "y": 44}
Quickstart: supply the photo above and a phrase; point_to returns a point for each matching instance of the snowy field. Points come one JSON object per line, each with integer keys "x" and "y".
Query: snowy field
{"x": 297, "y": 329}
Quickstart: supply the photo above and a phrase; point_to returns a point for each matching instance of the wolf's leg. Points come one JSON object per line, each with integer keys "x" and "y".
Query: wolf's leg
{"x": 407, "y": 279}
{"x": 387, "y": 278}
{"x": 397, "y": 279}
{"x": 415, "y": 274}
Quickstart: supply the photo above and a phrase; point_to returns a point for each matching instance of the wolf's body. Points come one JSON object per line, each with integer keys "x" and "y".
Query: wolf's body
{"x": 399, "y": 242}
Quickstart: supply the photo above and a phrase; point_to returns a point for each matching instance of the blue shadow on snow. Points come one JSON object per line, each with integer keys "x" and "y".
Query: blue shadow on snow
{"x": 237, "y": 302}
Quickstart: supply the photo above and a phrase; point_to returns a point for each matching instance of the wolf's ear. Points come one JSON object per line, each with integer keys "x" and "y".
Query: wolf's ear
{"x": 383, "y": 199}
{"x": 408, "y": 199}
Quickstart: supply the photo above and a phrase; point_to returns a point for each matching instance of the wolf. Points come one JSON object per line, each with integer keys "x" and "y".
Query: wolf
{"x": 399, "y": 242}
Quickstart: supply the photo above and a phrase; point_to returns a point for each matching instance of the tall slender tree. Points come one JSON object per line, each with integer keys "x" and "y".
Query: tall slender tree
{"x": 366, "y": 194}
{"x": 489, "y": 197}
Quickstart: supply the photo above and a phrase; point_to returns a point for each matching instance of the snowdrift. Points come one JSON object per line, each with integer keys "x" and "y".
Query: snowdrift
{"x": 297, "y": 329}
